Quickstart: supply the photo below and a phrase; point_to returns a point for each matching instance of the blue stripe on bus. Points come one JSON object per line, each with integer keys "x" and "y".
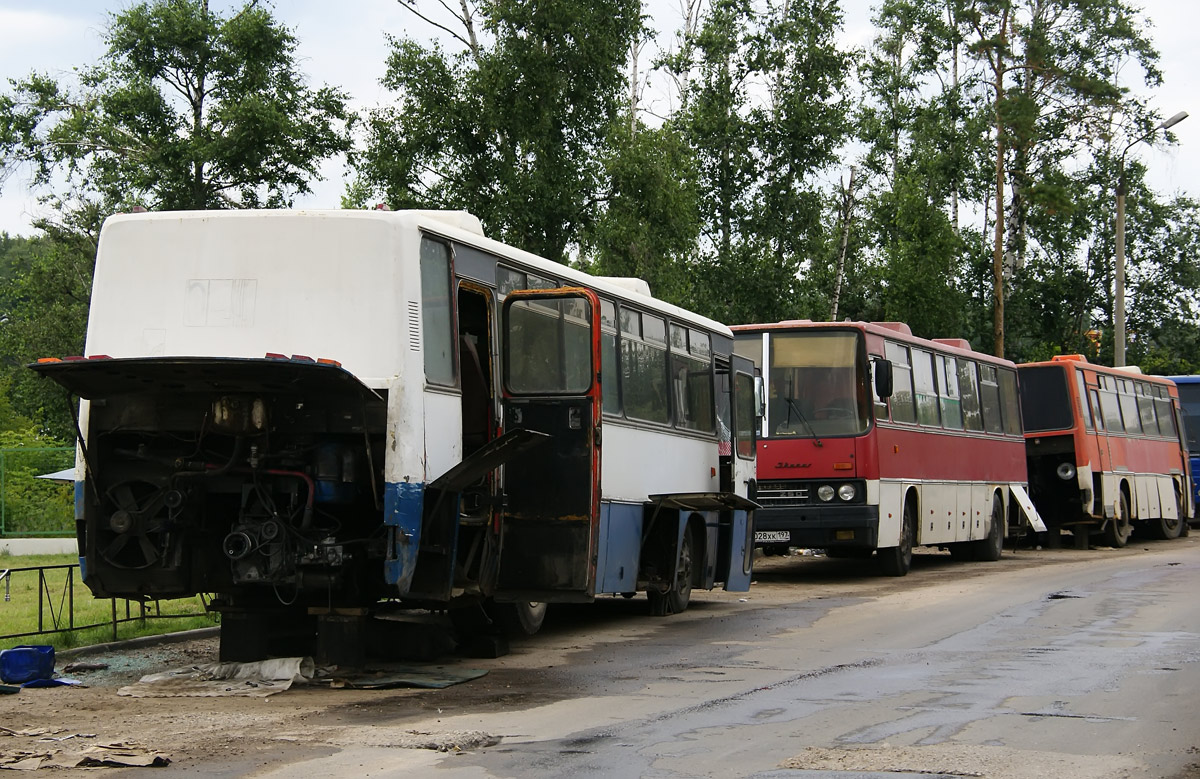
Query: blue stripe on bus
{"x": 402, "y": 506}
{"x": 78, "y": 501}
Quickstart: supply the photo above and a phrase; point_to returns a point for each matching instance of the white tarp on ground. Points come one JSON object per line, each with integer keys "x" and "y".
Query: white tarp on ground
{"x": 254, "y": 680}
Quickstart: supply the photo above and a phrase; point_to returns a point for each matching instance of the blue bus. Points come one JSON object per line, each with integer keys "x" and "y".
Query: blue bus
{"x": 1189, "y": 401}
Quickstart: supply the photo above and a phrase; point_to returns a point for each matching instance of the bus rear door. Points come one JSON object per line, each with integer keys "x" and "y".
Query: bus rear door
{"x": 548, "y": 526}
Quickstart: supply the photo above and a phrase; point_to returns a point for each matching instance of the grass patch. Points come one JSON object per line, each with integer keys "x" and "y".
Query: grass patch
{"x": 19, "y": 603}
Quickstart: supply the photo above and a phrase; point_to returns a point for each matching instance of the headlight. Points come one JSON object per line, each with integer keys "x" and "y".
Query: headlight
{"x": 825, "y": 492}
{"x": 1066, "y": 471}
{"x": 846, "y": 492}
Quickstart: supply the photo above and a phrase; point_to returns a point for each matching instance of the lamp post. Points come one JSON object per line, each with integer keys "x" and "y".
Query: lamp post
{"x": 1119, "y": 304}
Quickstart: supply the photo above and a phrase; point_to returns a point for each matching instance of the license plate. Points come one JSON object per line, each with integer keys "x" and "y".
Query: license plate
{"x": 771, "y": 536}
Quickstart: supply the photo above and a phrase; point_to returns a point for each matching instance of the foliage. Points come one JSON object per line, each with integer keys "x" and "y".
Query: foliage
{"x": 29, "y": 504}
{"x": 45, "y": 305}
{"x": 512, "y": 128}
{"x": 650, "y": 218}
{"x": 187, "y": 110}
{"x": 763, "y": 109}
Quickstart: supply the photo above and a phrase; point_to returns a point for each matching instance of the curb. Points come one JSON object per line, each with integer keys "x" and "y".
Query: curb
{"x": 140, "y": 641}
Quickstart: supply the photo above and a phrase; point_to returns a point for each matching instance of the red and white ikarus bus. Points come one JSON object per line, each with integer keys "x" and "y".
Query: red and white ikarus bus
{"x": 877, "y": 441}
{"x": 1105, "y": 450}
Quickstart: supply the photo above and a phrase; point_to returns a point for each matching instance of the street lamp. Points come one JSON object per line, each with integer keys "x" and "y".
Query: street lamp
{"x": 1119, "y": 307}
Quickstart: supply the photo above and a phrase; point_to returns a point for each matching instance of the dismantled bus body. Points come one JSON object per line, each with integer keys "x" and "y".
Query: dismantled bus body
{"x": 1105, "y": 451}
{"x": 317, "y": 415}
{"x": 875, "y": 441}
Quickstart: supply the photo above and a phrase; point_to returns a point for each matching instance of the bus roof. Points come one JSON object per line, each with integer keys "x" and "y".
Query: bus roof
{"x": 897, "y": 331}
{"x": 1121, "y": 372}
{"x": 457, "y": 225}
{"x": 323, "y": 283}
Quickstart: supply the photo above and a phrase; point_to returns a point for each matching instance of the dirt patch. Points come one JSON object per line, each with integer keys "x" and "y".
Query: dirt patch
{"x": 966, "y": 760}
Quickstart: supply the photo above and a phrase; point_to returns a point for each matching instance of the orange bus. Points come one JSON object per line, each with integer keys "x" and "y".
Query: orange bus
{"x": 1105, "y": 451}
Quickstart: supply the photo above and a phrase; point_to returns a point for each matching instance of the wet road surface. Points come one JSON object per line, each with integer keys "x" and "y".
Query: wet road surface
{"x": 1060, "y": 664}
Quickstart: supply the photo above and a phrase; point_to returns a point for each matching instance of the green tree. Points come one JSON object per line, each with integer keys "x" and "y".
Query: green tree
{"x": 511, "y": 127}
{"x": 763, "y": 109}
{"x": 1054, "y": 69}
{"x": 649, "y": 222}
{"x": 46, "y": 308}
{"x": 188, "y": 109}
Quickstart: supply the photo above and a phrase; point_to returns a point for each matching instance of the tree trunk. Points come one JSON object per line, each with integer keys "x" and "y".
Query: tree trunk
{"x": 847, "y": 213}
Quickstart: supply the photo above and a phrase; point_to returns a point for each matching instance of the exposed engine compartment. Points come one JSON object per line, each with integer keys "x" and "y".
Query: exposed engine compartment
{"x": 261, "y": 480}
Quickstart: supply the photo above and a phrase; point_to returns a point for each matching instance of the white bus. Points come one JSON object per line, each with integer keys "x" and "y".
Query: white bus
{"x": 320, "y": 415}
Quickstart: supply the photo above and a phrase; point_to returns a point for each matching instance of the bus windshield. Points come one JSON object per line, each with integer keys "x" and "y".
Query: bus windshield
{"x": 817, "y": 385}
{"x": 1189, "y": 400}
{"x": 1045, "y": 403}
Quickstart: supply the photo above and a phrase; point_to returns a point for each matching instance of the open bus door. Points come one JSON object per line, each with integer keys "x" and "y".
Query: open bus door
{"x": 738, "y": 420}
{"x": 548, "y": 527}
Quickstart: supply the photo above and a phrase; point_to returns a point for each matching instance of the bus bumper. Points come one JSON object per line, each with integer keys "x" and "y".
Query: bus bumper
{"x": 818, "y": 527}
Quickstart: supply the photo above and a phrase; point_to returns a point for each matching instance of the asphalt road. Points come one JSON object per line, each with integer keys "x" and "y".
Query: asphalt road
{"x": 1059, "y": 664}
{"x": 1063, "y": 664}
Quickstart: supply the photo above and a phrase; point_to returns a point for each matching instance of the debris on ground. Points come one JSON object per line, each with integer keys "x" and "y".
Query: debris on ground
{"x": 255, "y": 680}
{"x": 40, "y": 748}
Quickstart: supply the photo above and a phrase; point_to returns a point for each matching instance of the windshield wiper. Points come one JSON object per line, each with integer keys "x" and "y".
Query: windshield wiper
{"x": 792, "y": 405}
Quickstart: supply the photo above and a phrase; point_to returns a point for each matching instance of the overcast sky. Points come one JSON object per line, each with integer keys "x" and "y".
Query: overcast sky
{"x": 342, "y": 44}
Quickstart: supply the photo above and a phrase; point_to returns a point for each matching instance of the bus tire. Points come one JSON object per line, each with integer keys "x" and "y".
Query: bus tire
{"x": 676, "y": 599}
{"x": 1118, "y": 529}
{"x": 897, "y": 560}
{"x": 990, "y": 549}
{"x": 523, "y": 618}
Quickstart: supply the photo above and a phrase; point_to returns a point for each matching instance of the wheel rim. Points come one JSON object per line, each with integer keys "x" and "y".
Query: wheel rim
{"x": 683, "y": 579}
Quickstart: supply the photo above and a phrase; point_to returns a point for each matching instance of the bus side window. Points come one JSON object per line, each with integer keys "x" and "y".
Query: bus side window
{"x": 1008, "y": 400}
{"x": 610, "y": 377}
{"x": 644, "y": 367}
{"x": 1097, "y": 409}
{"x": 1110, "y": 405}
{"x": 1145, "y": 404}
{"x": 1166, "y": 418}
{"x": 902, "y": 402}
{"x": 1129, "y": 411}
{"x": 744, "y": 416}
{"x": 925, "y": 389}
{"x": 968, "y": 386}
{"x": 950, "y": 401}
{"x": 1085, "y": 411}
{"x": 692, "y": 379}
{"x": 437, "y": 324}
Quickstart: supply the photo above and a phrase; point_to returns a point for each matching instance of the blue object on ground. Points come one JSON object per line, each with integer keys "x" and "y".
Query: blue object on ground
{"x": 25, "y": 663}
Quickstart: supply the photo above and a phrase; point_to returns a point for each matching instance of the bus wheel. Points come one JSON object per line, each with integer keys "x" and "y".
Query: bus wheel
{"x": 1118, "y": 529}
{"x": 676, "y": 599}
{"x": 897, "y": 560}
{"x": 523, "y": 618}
{"x": 989, "y": 549}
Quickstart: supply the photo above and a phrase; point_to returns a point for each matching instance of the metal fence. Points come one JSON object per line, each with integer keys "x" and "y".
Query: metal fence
{"x": 33, "y": 506}
{"x": 58, "y": 611}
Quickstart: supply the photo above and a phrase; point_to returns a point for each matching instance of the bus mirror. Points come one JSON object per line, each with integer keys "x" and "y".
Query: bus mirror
{"x": 883, "y": 378}
{"x": 760, "y": 397}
